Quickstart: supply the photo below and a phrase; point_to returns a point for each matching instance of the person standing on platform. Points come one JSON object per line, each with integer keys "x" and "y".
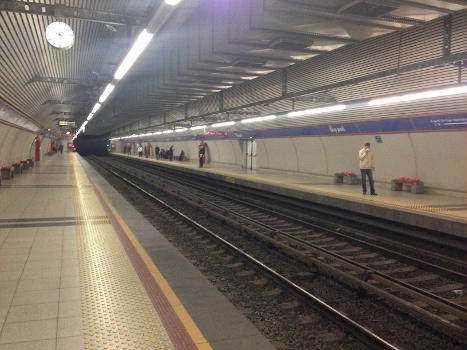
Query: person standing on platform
{"x": 140, "y": 150}
{"x": 367, "y": 165}
{"x": 156, "y": 151}
{"x": 171, "y": 153}
{"x": 60, "y": 148}
{"x": 202, "y": 153}
{"x": 148, "y": 149}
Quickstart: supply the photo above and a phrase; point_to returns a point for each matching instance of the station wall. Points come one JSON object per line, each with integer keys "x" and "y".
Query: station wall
{"x": 437, "y": 158}
{"x": 18, "y": 144}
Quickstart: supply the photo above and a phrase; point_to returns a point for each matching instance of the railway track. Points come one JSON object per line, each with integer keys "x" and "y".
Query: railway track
{"x": 420, "y": 288}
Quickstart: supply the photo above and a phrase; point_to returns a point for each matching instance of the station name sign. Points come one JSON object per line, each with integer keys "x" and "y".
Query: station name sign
{"x": 66, "y": 123}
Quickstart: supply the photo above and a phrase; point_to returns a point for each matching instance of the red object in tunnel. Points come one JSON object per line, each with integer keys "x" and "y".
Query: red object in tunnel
{"x": 38, "y": 148}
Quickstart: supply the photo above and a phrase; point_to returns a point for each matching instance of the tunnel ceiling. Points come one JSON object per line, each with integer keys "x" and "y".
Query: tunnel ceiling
{"x": 207, "y": 46}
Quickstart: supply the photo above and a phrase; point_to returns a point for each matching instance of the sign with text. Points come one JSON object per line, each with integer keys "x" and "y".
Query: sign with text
{"x": 215, "y": 133}
{"x": 66, "y": 123}
{"x": 67, "y": 135}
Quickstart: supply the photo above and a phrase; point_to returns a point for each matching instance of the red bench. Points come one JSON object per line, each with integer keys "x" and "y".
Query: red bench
{"x": 7, "y": 172}
{"x": 17, "y": 167}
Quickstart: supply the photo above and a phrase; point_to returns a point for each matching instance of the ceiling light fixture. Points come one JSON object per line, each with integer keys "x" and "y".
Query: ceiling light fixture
{"x": 198, "y": 127}
{"x": 217, "y": 125}
{"x": 172, "y": 2}
{"x": 90, "y": 116}
{"x": 138, "y": 47}
{"x": 308, "y": 112}
{"x": 96, "y": 108}
{"x": 167, "y": 131}
{"x": 107, "y": 91}
{"x": 419, "y": 95}
{"x": 258, "y": 119}
{"x": 181, "y": 130}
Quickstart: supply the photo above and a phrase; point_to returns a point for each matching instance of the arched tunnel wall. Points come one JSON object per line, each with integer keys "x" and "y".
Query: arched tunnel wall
{"x": 17, "y": 144}
{"x": 437, "y": 158}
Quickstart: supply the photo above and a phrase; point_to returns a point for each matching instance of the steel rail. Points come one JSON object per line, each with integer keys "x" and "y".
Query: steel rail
{"x": 410, "y": 290}
{"x": 402, "y": 257}
{"x": 360, "y": 332}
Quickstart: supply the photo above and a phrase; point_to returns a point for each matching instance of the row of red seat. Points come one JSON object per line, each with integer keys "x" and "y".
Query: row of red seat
{"x": 408, "y": 179}
{"x": 7, "y": 171}
{"x": 17, "y": 164}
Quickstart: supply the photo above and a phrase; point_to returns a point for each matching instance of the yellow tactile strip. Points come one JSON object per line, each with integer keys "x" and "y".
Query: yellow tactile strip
{"x": 230, "y": 177}
{"x": 117, "y": 313}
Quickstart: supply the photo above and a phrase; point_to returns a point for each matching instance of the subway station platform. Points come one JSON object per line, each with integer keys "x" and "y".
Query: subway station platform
{"x": 80, "y": 268}
{"x": 446, "y": 213}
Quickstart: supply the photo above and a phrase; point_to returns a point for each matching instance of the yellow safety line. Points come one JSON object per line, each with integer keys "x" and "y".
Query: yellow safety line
{"x": 185, "y": 318}
{"x": 231, "y": 179}
{"x": 117, "y": 312}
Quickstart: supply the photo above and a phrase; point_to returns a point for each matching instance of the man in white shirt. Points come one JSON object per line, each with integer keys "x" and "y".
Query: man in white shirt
{"x": 367, "y": 165}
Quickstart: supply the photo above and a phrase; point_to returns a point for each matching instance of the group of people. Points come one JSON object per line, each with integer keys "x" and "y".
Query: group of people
{"x": 164, "y": 153}
{"x": 365, "y": 155}
{"x": 159, "y": 153}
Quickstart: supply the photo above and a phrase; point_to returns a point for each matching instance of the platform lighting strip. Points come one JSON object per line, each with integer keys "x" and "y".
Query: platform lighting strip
{"x": 198, "y": 127}
{"x": 218, "y": 125}
{"x": 419, "y": 96}
{"x": 328, "y": 109}
{"x": 258, "y": 119}
{"x": 140, "y": 44}
{"x": 107, "y": 91}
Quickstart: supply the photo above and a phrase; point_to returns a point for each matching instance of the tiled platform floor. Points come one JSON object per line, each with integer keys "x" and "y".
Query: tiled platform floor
{"x": 40, "y": 299}
{"x": 67, "y": 281}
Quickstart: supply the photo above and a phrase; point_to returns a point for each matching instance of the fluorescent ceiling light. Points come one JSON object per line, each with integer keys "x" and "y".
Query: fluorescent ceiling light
{"x": 172, "y": 2}
{"x": 198, "y": 127}
{"x": 167, "y": 131}
{"x": 320, "y": 110}
{"x": 181, "y": 130}
{"x": 419, "y": 95}
{"x": 90, "y": 116}
{"x": 138, "y": 47}
{"x": 157, "y": 132}
{"x": 258, "y": 119}
{"x": 216, "y": 125}
{"x": 68, "y": 133}
{"x": 96, "y": 108}
{"x": 107, "y": 91}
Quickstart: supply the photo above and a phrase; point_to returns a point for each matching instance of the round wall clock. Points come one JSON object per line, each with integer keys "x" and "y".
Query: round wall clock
{"x": 60, "y": 35}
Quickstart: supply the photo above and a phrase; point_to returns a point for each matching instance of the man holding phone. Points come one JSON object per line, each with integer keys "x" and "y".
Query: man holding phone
{"x": 367, "y": 165}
